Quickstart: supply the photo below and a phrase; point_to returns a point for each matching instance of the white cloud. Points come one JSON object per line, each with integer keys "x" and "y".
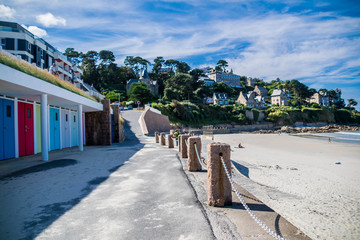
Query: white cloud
{"x": 6, "y": 12}
{"x": 294, "y": 47}
{"x": 36, "y": 31}
{"x": 49, "y": 20}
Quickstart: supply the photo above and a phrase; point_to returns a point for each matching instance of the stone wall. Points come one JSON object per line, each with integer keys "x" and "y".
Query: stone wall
{"x": 152, "y": 122}
{"x": 117, "y": 125}
{"x": 98, "y": 126}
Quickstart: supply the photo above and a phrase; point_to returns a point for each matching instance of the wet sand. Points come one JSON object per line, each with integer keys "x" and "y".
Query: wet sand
{"x": 312, "y": 183}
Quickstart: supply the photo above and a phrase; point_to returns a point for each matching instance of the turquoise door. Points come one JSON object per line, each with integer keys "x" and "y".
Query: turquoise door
{"x": 73, "y": 123}
{"x": 54, "y": 129}
{"x": 7, "y": 129}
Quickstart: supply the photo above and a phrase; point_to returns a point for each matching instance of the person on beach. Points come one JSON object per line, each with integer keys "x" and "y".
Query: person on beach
{"x": 329, "y": 140}
{"x": 239, "y": 146}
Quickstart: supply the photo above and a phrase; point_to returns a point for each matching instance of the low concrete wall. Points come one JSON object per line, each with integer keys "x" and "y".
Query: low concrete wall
{"x": 151, "y": 122}
{"x": 251, "y": 127}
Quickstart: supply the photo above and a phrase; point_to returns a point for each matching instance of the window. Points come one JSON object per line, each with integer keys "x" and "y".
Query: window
{"x": 3, "y": 43}
{"x": 10, "y": 44}
{"x": 22, "y": 44}
{"x": 74, "y": 119}
{"x": 8, "y": 111}
{"x": 56, "y": 116}
{"x": 29, "y": 113}
{"x": 66, "y": 117}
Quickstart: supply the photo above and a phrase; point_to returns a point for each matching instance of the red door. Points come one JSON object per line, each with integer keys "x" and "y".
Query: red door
{"x": 26, "y": 128}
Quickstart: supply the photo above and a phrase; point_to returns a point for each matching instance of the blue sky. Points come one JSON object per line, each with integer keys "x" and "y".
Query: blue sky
{"x": 316, "y": 42}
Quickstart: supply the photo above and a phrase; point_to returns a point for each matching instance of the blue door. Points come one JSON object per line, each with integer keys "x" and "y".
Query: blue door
{"x": 7, "y": 129}
{"x": 54, "y": 129}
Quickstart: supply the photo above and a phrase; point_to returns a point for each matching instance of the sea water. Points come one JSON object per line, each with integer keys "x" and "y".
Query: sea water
{"x": 344, "y": 136}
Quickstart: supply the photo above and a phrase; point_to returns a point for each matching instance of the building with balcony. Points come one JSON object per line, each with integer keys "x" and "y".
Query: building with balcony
{"x": 207, "y": 81}
{"x": 21, "y": 43}
{"x": 227, "y": 77}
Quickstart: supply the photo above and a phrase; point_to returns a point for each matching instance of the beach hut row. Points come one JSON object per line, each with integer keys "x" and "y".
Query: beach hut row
{"x": 20, "y": 127}
{"x": 37, "y": 116}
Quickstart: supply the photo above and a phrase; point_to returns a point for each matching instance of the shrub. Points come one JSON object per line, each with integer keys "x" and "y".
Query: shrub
{"x": 278, "y": 116}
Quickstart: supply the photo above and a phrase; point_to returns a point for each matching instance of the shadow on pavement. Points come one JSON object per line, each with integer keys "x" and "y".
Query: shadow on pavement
{"x": 41, "y": 167}
{"x": 48, "y": 214}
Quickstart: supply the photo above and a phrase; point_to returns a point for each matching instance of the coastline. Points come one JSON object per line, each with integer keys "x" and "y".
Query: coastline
{"x": 300, "y": 178}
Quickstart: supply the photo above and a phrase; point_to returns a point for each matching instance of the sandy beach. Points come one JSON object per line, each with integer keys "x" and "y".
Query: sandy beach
{"x": 302, "y": 180}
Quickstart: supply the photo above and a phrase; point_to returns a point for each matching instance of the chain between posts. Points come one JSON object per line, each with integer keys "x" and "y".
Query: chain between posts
{"x": 257, "y": 220}
{"x": 198, "y": 157}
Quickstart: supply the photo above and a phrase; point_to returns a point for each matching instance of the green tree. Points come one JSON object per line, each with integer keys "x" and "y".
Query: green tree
{"x": 172, "y": 64}
{"x": 107, "y": 57}
{"x": 158, "y": 62}
{"x": 160, "y": 78}
{"x": 182, "y": 67}
{"x": 113, "y": 96}
{"x": 136, "y": 63}
{"x": 139, "y": 92}
{"x": 299, "y": 91}
{"x": 351, "y": 103}
{"x": 181, "y": 82}
{"x": 73, "y": 55}
{"x": 222, "y": 87}
{"x": 221, "y": 65}
{"x": 171, "y": 94}
{"x": 243, "y": 81}
{"x": 91, "y": 57}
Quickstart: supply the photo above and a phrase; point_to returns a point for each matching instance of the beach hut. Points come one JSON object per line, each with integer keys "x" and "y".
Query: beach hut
{"x": 54, "y": 128}
{"x": 73, "y": 126}
{"x": 7, "y": 129}
{"x": 65, "y": 128}
{"x": 38, "y": 128}
{"x": 26, "y": 128}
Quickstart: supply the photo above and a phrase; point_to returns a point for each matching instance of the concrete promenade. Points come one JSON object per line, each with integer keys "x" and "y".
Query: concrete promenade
{"x": 132, "y": 190}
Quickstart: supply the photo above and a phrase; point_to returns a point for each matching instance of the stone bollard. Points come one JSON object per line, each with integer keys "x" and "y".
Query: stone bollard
{"x": 182, "y": 145}
{"x": 157, "y": 137}
{"x": 162, "y": 139}
{"x": 170, "y": 141}
{"x": 219, "y": 187}
{"x": 193, "y": 161}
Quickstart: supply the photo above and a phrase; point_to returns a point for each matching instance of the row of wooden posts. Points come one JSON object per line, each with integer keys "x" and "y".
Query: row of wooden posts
{"x": 218, "y": 185}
